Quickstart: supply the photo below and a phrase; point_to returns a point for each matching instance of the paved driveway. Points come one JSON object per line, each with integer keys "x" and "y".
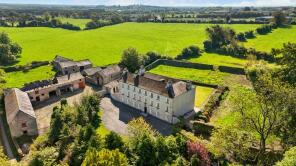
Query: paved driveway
{"x": 116, "y": 116}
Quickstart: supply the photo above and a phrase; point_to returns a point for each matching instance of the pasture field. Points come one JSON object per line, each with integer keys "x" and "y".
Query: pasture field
{"x": 105, "y": 45}
{"x": 78, "y": 22}
{"x": 276, "y": 39}
{"x": 18, "y": 79}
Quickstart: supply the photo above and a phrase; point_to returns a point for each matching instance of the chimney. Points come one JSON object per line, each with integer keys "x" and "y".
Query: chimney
{"x": 124, "y": 75}
{"x": 188, "y": 85}
{"x": 142, "y": 70}
{"x": 170, "y": 89}
{"x": 136, "y": 80}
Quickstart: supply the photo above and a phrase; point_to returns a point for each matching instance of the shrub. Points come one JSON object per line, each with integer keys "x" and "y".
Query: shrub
{"x": 249, "y": 34}
{"x": 241, "y": 37}
{"x": 208, "y": 45}
{"x": 198, "y": 149}
{"x": 189, "y": 52}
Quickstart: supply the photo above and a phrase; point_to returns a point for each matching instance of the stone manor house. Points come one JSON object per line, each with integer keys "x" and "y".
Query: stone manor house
{"x": 162, "y": 97}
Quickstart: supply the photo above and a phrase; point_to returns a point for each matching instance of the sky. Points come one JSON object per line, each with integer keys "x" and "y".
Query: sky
{"x": 161, "y": 2}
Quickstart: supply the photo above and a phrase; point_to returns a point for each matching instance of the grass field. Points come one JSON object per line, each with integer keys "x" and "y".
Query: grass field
{"x": 273, "y": 40}
{"x": 219, "y": 60}
{"x": 204, "y": 76}
{"x": 18, "y": 79}
{"x": 105, "y": 45}
{"x": 78, "y": 22}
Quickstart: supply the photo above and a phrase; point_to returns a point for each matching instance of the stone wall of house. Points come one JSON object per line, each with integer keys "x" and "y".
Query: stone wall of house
{"x": 23, "y": 124}
{"x": 184, "y": 103}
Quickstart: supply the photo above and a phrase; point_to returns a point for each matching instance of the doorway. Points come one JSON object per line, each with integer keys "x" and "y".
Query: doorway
{"x": 38, "y": 98}
{"x": 145, "y": 110}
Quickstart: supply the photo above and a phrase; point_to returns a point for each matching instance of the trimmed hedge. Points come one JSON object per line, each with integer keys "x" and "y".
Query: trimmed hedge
{"x": 26, "y": 67}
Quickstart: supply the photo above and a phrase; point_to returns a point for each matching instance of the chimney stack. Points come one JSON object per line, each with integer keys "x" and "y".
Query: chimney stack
{"x": 136, "y": 80}
{"x": 124, "y": 75}
{"x": 170, "y": 89}
{"x": 188, "y": 85}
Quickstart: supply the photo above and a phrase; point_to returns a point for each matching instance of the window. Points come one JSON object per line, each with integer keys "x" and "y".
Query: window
{"x": 151, "y": 95}
{"x": 145, "y": 93}
{"x": 122, "y": 85}
{"x": 151, "y": 103}
{"x": 128, "y": 94}
{"x": 24, "y": 124}
{"x": 157, "y": 106}
{"x": 158, "y": 97}
{"x": 167, "y": 100}
{"x": 139, "y": 90}
{"x": 135, "y": 96}
{"x": 36, "y": 92}
{"x": 128, "y": 87}
{"x": 134, "y": 89}
{"x": 139, "y": 98}
{"x": 42, "y": 94}
{"x": 167, "y": 109}
{"x": 80, "y": 79}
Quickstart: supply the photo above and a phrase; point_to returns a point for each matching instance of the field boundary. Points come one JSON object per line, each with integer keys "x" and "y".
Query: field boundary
{"x": 27, "y": 67}
{"x": 185, "y": 64}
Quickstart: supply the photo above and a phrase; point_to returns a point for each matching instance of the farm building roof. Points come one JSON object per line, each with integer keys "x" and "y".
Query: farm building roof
{"x": 67, "y": 64}
{"x": 69, "y": 78}
{"x": 91, "y": 71}
{"x": 17, "y": 101}
{"x": 83, "y": 62}
{"x": 157, "y": 84}
{"x": 59, "y": 58}
{"x": 110, "y": 70}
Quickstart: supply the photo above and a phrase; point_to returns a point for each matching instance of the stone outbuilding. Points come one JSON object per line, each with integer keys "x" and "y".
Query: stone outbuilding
{"x": 109, "y": 74}
{"x": 20, "y": 114}
{"x": 90, "y": 75}
{"x": 66, "y": 66}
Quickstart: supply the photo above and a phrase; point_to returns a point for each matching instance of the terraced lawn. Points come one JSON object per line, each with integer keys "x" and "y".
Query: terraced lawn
{"x": 105, "y": 45}
{"x": 202, "y": 94}
{"x": 276, "y": 39}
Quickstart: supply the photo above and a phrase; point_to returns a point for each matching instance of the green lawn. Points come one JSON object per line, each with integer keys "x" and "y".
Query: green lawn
{"x": 78, "y": 22}
{"x": 105, "y": 45}
{"x": 18, "y": 79}
{"x": 202, "y": 94}
{"x": 219, "y": 60}
{"x": 273, "y": 40}
{"x": 204, "y": 76}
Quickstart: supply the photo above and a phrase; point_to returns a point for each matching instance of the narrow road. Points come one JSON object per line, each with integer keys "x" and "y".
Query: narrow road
{"x": 5, "y": 142}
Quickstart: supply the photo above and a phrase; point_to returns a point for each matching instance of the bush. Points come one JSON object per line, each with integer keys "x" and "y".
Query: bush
{"x": 208, "y": 45}
{"x": 249, "y": 34}
{"x": 241, "y": 37}
{"x": 264, "y": 29}
{"x": 189, "y": 52}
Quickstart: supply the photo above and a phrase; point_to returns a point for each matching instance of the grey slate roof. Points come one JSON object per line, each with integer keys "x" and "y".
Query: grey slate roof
{"x": 85, "y": 62}
{"x": 157, "y": 84}
{"x": 110, "y": 70}
{"x": 59, "y": 58}
{"x": 91, "y": 71}
{"x": 69, "y": 78}
{"x": 17, "y": 101}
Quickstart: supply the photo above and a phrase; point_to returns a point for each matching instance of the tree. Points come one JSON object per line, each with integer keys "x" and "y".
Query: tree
{"x": 180, "y": 161}
{"x": 105, "y": 157}
{"x": 42, "y": 157}
{"x": 288, "y": 61}
{"x": 55, "y": 125}
{"x": 113, "y": 141}
{"x": 232, "y": 143}
{"x": 9, "y": 51}
{"x": 46, "y": 16}
{"x": 131, "y": 59}
{"x": 279, "y": 18}
{"x": 219, "y": 36}
{"x": 289, "y": 158}
{"x": 262, "y": 110}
